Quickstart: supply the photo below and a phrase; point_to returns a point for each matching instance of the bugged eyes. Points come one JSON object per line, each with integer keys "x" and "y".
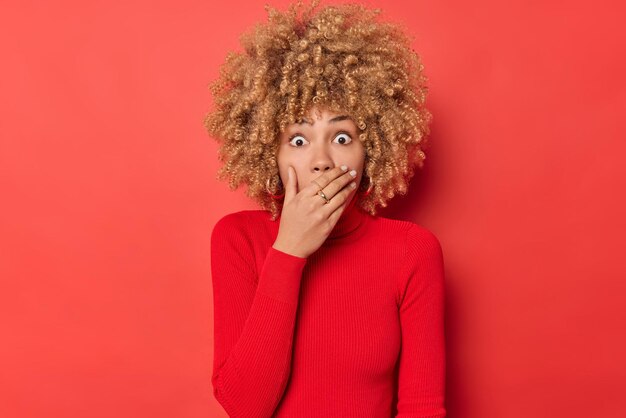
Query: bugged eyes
{"x": 344, "y": 138}
{"x": 298, "y": 140}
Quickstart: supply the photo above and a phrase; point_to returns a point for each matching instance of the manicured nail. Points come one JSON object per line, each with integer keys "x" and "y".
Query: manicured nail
{"x": 344, "y": 167}
{"x": 353, "y": 173}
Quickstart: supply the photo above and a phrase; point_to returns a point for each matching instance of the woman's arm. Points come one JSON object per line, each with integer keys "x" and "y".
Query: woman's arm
{"x": 421, "y": 377}
{"x": 253, "y": 321}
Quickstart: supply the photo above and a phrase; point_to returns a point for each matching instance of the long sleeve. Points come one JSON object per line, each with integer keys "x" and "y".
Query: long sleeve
{"x": 421, "y": 375}
{"x": 254, "y": 320}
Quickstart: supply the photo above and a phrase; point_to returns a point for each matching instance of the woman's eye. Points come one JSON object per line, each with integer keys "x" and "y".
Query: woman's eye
{"x": 297, "y": 141}
{"x": 343, "y": 138}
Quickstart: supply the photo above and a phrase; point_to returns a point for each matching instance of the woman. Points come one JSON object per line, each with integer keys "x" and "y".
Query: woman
{"x": 322, "y": 308}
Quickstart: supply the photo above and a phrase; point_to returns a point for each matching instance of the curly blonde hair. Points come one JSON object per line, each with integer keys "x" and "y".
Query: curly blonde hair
{"x": 340, "y": 57}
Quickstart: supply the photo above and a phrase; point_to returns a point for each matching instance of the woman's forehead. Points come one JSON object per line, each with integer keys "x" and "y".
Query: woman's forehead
{"x": 321, "y": 113}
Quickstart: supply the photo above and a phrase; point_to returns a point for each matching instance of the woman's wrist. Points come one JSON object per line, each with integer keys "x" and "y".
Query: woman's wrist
{"x": 287, "y": 249}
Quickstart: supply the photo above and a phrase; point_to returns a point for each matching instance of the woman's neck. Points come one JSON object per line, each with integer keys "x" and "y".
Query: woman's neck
{"x": 350, "y": 220}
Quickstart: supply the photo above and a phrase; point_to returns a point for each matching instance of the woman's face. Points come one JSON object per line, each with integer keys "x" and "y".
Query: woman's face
{"x": 322, "y": 141}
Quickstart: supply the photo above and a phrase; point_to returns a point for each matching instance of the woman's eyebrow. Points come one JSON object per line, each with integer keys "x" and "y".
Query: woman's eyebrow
{"x": 335, "y": 119}
{"x": 339, "y": 118}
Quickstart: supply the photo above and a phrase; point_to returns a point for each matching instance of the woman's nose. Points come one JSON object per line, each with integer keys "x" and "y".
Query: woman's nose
{"x": 322, "y": 165}
{"x": 322, "y": 168}
{"x": 322, "y": 161}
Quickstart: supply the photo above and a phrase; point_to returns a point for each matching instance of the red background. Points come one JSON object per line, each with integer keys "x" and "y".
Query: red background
{"x": 109, "y": 197}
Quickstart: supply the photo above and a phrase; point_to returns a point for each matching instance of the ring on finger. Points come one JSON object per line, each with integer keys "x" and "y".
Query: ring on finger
{"x": 321, "y": 193}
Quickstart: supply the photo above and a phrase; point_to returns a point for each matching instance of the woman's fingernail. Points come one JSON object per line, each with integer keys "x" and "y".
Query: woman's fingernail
{"x": 353, "y": 173}
{"x": 344, "y": 167}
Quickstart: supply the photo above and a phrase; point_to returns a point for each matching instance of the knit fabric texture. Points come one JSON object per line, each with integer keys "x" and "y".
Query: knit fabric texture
{"x": 354, "y": 330}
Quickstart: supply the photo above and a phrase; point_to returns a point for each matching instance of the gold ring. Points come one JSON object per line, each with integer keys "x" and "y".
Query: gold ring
{"x": 321, "y": 193}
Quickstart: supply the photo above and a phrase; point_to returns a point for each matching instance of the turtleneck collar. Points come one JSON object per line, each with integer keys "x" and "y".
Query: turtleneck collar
{"x": 351, "y": 219}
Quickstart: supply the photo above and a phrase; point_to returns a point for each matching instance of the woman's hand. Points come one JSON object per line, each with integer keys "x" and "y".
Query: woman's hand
{"x": 306, "y": 219}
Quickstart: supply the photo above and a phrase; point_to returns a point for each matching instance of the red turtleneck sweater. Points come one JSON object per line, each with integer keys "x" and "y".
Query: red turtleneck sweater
{"x": 354, "y": 330}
